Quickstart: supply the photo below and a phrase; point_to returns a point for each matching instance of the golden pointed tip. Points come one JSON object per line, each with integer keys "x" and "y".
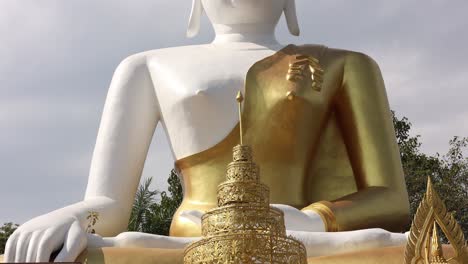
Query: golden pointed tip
{"x": 429, "y": 184}
{"x": 239, "y": 97}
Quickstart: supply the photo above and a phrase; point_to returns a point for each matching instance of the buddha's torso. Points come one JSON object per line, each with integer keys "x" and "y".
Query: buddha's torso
{"x": 195, "y": 87}
{"x": 290, "y": 138}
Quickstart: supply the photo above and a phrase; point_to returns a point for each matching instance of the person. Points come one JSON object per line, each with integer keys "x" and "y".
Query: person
{"x": 327, "y": 149}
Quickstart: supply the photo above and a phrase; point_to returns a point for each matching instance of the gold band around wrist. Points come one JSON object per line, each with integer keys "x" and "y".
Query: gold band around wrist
{"x": 328, "y": 217}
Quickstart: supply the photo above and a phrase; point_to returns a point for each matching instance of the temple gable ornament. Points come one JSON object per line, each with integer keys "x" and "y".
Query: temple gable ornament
{"x": 423, "y": 242}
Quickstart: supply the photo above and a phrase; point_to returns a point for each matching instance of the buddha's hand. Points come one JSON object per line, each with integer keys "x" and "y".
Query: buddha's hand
{"x": 38, "y": 238}
{"x": 295, "y": 220}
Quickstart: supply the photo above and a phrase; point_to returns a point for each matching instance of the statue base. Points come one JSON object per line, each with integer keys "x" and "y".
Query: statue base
{"x": 388, "y": 255}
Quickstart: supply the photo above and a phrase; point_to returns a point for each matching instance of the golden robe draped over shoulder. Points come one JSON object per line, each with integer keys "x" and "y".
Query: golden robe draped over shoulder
{"x": 334, "y": 144}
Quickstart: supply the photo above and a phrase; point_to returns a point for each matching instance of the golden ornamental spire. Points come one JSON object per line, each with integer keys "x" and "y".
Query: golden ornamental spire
{"x": 435, "y": 254}
{"x": 423, "y": 245}
{"x": 244, "y": 228}
{"x": 240, "y": 99}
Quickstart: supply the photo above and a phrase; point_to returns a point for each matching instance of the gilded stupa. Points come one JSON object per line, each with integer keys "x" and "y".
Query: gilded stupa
{"x": 244, "y": 228}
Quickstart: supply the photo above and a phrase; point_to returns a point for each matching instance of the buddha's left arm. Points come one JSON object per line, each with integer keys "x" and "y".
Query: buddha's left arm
{"x": 365, "y": 120}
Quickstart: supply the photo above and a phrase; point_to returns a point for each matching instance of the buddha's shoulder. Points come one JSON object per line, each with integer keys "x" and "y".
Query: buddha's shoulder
{"x": 172, "y": 53}
{"x": 329, "y": 55}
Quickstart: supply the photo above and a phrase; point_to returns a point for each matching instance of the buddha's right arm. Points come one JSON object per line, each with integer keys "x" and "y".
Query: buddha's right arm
{"x": 128, "y": 122}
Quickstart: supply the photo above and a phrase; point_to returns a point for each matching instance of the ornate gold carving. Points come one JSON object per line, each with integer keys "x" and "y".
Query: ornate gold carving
{"x": 303, "y": 67}
{"x": 243, "y": 192}
{"x": 435, "y": 254}
{"x": 327, "y": 215}
{"x": 93, "y": 218}
{"x": 242, "y": 171}
{"x": 422, "y": 246}
{"x": 245, "y": 217}
{"x": 244, "y": 228}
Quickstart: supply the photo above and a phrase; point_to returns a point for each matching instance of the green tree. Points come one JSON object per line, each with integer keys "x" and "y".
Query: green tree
{"x": 448, "y": 172}
{"x": 5, "y": 232}
{"x": 141, "y": 216}
{"x": 153, "y": 215}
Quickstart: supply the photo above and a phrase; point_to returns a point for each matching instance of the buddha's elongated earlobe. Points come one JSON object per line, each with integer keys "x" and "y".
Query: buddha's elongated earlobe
{"x": 195, "y": 18}
{"x": 291, "y": 17}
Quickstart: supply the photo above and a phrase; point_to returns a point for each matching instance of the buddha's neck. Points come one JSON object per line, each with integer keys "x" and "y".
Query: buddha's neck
{"x": 260, "y": 34}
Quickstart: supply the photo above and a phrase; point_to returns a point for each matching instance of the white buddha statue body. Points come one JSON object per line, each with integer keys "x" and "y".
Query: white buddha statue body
{"x": 190, "y": 91}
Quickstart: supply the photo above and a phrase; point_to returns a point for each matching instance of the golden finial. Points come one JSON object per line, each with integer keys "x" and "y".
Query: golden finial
{"x": 431, "y": 211}
{"x": 435, "y": 240}
{"x": 240, "y": 99}
{"x": 436, "y": 255}
{"x": 429, "y": 188}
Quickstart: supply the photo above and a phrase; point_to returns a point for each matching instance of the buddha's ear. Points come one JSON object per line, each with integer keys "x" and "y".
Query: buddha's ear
{"x": 195, "y": 18}
{"x": 291, "y": 17}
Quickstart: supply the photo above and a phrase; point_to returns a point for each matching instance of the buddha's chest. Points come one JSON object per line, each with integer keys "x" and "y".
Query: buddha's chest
{"x": 196, "y": 93}
{"x": 201, "y": 82}
{"x": 197, "y": 96}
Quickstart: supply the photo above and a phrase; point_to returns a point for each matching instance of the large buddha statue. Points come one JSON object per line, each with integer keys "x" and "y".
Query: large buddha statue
{"x": 317, "y": 119}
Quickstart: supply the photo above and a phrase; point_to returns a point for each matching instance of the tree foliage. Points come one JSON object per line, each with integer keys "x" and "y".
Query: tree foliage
{"x": 5, "y": 232}
{"x": 141, "y": 215}
{"x": 449, "y": 172}
{"x": 153, "y": 214}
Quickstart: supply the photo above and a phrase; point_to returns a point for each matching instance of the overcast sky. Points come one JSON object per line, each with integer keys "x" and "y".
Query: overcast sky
{"x": 57, "y": 58}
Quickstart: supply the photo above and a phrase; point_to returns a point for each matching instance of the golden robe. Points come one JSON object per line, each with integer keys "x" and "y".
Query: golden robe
{"x": 332, "y": 144}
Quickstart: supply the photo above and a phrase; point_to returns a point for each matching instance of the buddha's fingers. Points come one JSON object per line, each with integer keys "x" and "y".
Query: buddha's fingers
{"x": 22, "y": 246}
{"x": 10, "y": 248}
{"x": 50, "y": 241}
{"x": 33, "y": 245}
{"x": 75, "y": 242}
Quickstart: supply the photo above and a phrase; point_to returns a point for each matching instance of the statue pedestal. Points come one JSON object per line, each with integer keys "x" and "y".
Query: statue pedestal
{"x": 132, "y": 255}
{"x": 389, "y": 255}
